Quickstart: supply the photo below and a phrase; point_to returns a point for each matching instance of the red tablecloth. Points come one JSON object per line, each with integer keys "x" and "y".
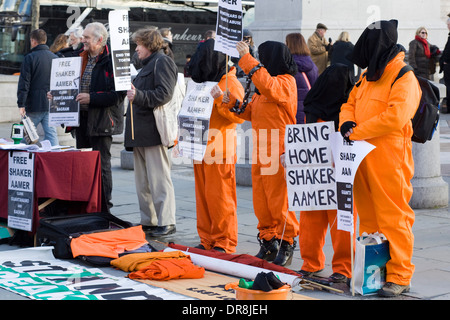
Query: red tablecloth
{"x": 70, "y": 175}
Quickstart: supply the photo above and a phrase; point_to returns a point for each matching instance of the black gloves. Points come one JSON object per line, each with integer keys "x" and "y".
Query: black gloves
{"x": 346, "y": 126}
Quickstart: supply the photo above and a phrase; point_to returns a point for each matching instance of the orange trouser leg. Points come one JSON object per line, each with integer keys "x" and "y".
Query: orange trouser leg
{"x": 271, "y": 206}
{"x": 382, "y": 192}
{"x": 215, "y": 193}
{"x": 313, "y": 229}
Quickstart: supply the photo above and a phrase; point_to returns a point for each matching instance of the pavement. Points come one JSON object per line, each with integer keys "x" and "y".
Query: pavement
{"x": 431, "y": 257}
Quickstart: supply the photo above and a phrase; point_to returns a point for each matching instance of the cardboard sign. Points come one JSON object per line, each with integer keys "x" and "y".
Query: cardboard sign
{"x": 120, "y": 48}
{"x": 20, "y": 190}
{"x": 309, "y": 167}
{"x": 229, "y": 27}
{"x": 64, "y": 87}
{"x": 194, "y": 119}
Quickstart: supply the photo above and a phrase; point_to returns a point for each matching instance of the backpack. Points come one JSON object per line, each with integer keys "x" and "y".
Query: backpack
{"x": 426, "y": 118}
{"x": 166, "y": 116}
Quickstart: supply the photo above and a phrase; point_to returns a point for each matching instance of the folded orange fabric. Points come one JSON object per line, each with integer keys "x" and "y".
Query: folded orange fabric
{"x": 109, "y": 243}
{"x": 137, "y": 261}
{"x": 169, "y": 269}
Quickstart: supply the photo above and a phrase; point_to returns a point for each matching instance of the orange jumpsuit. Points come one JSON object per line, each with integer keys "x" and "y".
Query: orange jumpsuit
{"x": 382, "y": 187}
{"x": 215, "y": 181}
{"x": 269, "y": 114}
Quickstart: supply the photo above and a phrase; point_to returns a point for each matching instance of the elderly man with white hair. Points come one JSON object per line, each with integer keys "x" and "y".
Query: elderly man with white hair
{"x": 101, "y": 107}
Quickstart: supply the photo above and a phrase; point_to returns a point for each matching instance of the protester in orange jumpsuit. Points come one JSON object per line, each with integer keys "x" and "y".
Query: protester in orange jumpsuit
{"x": 323, "y": 103}
{"x": 215, "y": 180}
{"x": 272, "y": 108}
{"x": 381, "y": 114}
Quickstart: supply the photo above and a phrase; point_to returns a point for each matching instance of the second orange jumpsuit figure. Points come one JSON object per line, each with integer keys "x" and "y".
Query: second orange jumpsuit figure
{"x": 272, "y": 108}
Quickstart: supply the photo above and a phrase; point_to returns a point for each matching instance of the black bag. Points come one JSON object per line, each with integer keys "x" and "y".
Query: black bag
{"x": 59, "y": 232}
{"x": 426, "y": 118}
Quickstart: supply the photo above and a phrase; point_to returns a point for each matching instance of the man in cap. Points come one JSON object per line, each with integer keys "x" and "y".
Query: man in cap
{"x": 319, "y": 47}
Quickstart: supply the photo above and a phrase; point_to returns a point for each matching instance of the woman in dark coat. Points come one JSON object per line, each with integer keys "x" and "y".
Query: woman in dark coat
{"x": 340, "y": 51}
{"x": 422, "y": 55}
{"x": 307, "y": 71}
{"x": 153, "y": 87}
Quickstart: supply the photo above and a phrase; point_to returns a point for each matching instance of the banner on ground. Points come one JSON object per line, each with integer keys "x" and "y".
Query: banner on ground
{"x": 229, "y": 27}
{"x": 120, "y": 48}
{"x": 36, "y": 274}
{"x": 348, "y": 157}
{"x": 193, "y": 120}
{"x": 64, "y": 87}
{"x": 20, "y": 190}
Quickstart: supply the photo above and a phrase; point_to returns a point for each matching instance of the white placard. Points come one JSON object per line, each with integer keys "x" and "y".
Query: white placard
{"x": 193, "y": 119}
{"x": 20, "y": 190}
{"x": 64, "y": 87}
{"x": 229, "y": 27}
{"x": 120, "y": 48}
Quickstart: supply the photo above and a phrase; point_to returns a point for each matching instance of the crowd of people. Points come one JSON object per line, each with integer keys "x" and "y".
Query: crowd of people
{"x": 295, "y": 82}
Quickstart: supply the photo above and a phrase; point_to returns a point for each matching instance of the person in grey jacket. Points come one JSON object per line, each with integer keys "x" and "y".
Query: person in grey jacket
{"x": 153, "y": 87}
{"x": 34, "y": 83}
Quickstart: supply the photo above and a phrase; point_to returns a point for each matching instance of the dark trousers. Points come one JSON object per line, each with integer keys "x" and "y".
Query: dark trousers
{"x": 102, "y": 144}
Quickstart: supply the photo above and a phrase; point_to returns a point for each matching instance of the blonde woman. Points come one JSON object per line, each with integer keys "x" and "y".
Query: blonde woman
{"x": 422, "y": 55}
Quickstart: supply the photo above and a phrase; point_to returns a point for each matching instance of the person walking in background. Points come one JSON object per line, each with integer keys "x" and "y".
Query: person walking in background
{"x": 422, "y": 55}
{"x": 153, "y": 87}
{"x": 215, "y": 175}
{"x": 319, "y": 47}
{"x": 307, "y": 71}
{"x": 341, "y": 50}
{"x": 34, "y": 83}
{"x": 379, "y": 111}
{"x": 272, "y": 108}
{"x": 166, "y": 33}
{"x": 74, "y": 42}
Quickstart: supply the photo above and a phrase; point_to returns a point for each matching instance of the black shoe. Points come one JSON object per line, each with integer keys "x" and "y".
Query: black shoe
{"x": 285, "y": 254}
{"x": 200, "y": 246}
{"x": 149, "y": 228}
{"x": 268, "y": 249}
{"x": 338, "y": 278}
{"x": 304, "y": 273}
{"x": 219, "y": 249}
{"x": 163, "y": 231}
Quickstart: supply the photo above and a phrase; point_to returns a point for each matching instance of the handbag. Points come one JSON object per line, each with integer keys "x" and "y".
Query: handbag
{"x": 166, "y": 116}
{"x": 371, "y": 256}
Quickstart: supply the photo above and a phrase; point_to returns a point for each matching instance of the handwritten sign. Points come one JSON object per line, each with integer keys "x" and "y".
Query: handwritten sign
{"x": 64, "y": 87}
{"x": 309, "y": 167}
{"x": 348, "y": 157}
{"x": 194, "y": 119}
{"x": 120, "y": 48}
{"x": 229, "y": 27}
{"x": 20, "y": 190}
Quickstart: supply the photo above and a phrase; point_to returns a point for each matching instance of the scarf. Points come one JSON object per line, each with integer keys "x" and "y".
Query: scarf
{"x": 426, "y": 46}
{"x": 376, "y": 47}
{"x": 207, "y": 64}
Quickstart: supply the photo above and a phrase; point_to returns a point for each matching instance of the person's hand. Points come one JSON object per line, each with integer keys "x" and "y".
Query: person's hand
{"x": 22, "y": 112}
{"x": 131, "y": 94}
{"x": 216, "y": 92}
{"x": 347, "y": 129}
{"x": 49, "y": 95}
{"x": 226, "y": 96}
{"x": 83, "y": 98}
{"x": 243, "y": 48}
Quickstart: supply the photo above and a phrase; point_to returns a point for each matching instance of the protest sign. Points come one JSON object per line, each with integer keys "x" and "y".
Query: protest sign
{"x": 20, "y": 190}
{"x": 120, "y": 48}
{"x": 229, "y": 27}
{"x": 194, "y": 119}
{"x": 64, "y": 88}
{"x": 309, "y": 167}
{"x": 348, "y": 157}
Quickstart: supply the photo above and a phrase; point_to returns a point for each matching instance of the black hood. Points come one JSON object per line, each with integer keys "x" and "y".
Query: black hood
{"x": 376, "y": 47}
{"x": 328, "y": 93}
{"x": 207, "y": 64}
{"x": 277, "y": 58}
